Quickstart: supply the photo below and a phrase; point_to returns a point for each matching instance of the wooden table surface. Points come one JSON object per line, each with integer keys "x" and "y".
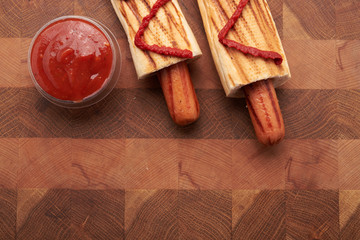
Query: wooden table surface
{"x": 122, "y": 169}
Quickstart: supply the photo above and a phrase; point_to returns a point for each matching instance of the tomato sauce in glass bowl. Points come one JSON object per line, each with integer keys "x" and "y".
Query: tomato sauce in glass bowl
{"x": 74, "y": 61}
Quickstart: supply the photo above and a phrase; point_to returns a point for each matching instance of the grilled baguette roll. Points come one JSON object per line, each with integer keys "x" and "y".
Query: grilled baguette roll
{"x": 257, "y": 76}
{"x": 168, "y": 28}
{"x": 254, "y": 28}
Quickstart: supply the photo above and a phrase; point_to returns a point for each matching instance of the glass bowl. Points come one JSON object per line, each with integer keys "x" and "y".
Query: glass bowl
{"x": 107, "y": 85}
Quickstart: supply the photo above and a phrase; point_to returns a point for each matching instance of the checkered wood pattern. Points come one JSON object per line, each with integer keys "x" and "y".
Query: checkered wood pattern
{"x": 122, "y": 170}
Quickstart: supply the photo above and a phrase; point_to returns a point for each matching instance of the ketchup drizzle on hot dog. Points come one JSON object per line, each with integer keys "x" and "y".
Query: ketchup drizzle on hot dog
{"x": 140, "y": 43}
{"x": 245, "y": 49}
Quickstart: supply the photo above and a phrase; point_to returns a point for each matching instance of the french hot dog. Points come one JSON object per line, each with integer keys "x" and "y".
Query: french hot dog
{"x": 248, "y": 55}
{"x": 162, "y": 49}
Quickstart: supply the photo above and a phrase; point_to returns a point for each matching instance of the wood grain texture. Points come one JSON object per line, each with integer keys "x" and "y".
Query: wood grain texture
{"x": 151, "y": 164}
{"x": 148, "y": 117}
{"x": 241, "y": 123}
{"x": 28, "y": 198}
{"x": 70, "y": 163}
{"x": 347, "y": 64}
{"x": 98, "y": 214}
{"x": 202, "y": 78}
{"x": 36, "y": 13}
{"x": 347, "y": 19}
{"x": 49, "y": 217}
{"x": 312, "y": 64}
{"x": 105, "y": 119}
{"x": 98, "y": 164}
{"x": 9, "y": 161}
{"x": 204, "y": 164}
{"x": 215, "y": 115}
{"x": 307, "y": 114}
{"x": 314, "y": 19}
{"x": 47, "y": 167}
{"x": 151, "y": 214}
{"x": 24, "y": 78}
{"x": 258, "y": 167}
{"x": 293, "y": 164}
{"x": 9, "y": 115}
{"x": 312, "y": 214}
{"x": 310, "y": 114}
{"x": 10, "y": 18}
{"x": 191, "y": 12}
{"x": 68, "y": 214}
{"x": 8, "y": 199}
{"x": 349, "y": 168}
{"x": 10, "y": 65}
{"x": 101, "y": 11}
{"x": 349, "y": 202}
{"x": 40, "y": 118}
{"x": 204, "y": 214}
{"x": 348, "y": 114}
{"x": 312, "y": 164}
{"x": 258, "y": 215}
{"x": 128, "y": 77}
{"x": 142, "y": 113}
{"x": 210, "y": 180}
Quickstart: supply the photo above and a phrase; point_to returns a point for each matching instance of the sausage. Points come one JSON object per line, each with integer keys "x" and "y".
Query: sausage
{"x": 179, "y": 94}
{"x": 265, "y": 112}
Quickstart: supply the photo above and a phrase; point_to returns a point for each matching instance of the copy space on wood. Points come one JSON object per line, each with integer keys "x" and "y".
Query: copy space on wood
{"x": 349, "y": 214}
{"x": 8, "y": 198}
{"x": 204, "y": 214}
{"x": 313, "y": 20}
{"x": 9, "y": 162}
{"x": 68, "y": 214}
{"x": 347, "y": 19}
{"x": 347, "y": 63}
{"x": 151, "y": 214}
{"x": 258, "y": 214}
{"x": 349, "y": 167}
{"x": 312, "y": 214}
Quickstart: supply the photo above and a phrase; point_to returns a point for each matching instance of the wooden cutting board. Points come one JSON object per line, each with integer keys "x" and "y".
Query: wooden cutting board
{"x": 122, "y": 169}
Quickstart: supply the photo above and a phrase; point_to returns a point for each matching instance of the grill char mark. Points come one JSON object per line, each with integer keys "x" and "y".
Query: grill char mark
{"x": 273, "y": 103}
{"x": 151, "y": 60}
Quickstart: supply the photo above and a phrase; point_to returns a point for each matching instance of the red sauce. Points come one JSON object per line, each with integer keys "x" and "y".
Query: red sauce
{"x": 71, "y": 59}
{"x": 245, "y": 49}
{"x": 139, "y": 42}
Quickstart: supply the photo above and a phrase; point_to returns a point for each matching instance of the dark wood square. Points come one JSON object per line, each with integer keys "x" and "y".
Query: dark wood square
{"x": 205, "y": 214}
{"x": 9, "y": 114}
{"x": 313, "y": 19}
{"x": 347, "y": 19}
{"x": 37, "y": 13}
{"x": 10, "y": 18}
{"x": 312, "y": 214}
{"x": 258, "y": 215}
{"x": 348, "y": 113}
{"x": 8, "y": 199}
{"x": 151, "y": 214}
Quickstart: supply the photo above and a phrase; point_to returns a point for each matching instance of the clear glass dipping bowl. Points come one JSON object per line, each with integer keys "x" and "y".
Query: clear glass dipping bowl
{"x": 108, "y": 84}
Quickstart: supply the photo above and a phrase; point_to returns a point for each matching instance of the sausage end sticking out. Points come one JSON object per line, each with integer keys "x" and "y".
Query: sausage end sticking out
{"x": 179, "y": 94}
{"x": 265, "y": 112}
